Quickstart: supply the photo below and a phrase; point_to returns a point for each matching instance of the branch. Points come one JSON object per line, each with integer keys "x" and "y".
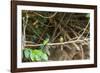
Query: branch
{"x": 63, "y": 43}
{"x": 84, "y": 30}
{"x": 45, "y": 16}
{"x": 56, "y": 27}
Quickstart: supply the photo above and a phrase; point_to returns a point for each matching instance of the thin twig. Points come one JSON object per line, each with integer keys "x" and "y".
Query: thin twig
{"x": 76, "y": 35}
{"x": 77, "y": 47}
{"x": 84, "y": 30}
{"x": 35, "y": 22}
{"x": 51, "y": 16}
{"x": 56, "y": 27}
{"x": 56, "y": 36}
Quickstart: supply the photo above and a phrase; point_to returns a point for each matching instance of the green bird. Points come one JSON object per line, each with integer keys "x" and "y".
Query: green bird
{"x": 45, "y": 42}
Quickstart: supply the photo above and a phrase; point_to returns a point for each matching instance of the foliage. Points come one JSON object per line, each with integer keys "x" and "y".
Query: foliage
{"x": 34, "y": 55}
{"x": 38, "y": 55}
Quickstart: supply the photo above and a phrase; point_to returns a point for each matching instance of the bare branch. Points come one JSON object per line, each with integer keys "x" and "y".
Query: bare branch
{"x": 63, "y": 43}
{"x": 45, "y": 16}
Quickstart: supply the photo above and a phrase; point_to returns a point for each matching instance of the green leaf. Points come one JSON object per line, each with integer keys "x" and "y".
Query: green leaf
{"x": 32, "y": 57}
{"x": 35, "y": 55}
{"x": 38, "y": 55}
{"x": 44, "y": 57}
{"x": 37, "y": 52}
{"x": 37, "y": 58}
{"x": 27, "y": 52}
